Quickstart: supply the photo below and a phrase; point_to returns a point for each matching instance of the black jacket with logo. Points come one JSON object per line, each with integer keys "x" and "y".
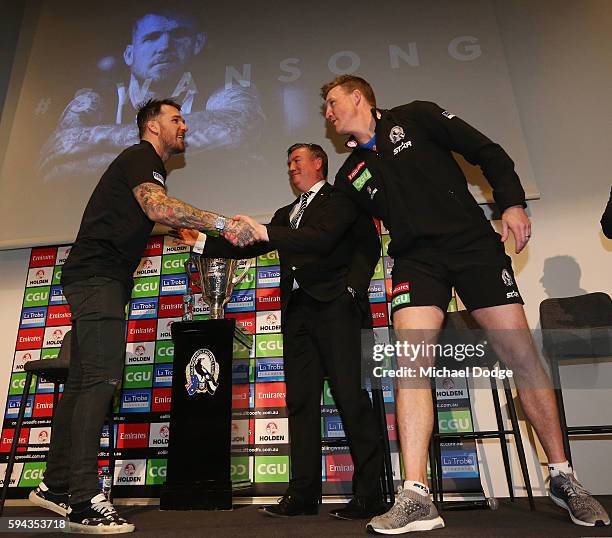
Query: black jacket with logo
{"x": 413, "y": 183}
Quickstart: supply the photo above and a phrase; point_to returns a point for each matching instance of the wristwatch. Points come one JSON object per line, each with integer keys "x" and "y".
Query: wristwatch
{"x": 220, "y": 224}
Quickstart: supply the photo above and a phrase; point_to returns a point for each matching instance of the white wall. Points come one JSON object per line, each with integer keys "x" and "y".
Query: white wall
{"x": 558, "y": 54}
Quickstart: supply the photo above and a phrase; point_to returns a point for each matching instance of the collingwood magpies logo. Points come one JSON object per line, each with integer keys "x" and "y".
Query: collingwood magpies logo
{"x": 396, "y": 134}
{"x": 507, "y": 278}
{"x": 202, "y": 373}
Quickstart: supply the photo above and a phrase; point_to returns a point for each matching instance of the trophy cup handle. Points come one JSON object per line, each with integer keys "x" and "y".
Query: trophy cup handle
{"x": 240, "y": 277}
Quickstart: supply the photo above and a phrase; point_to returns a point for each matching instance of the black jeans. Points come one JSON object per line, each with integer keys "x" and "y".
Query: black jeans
{"x": 96, "y": 367}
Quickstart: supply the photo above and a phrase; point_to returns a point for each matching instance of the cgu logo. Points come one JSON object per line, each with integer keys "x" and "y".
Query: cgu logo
{"x": 146, "y": 286}
{"x": 271, "y": 345}
{"x": 455, "y": 424}
{"x": 166, "y": 351}
{"x": 138, "y": 376}
{"x": 239, "y": 470}
{"x": 157, "y": 471}
{"x": 173, "y": 264}
{"x": 18, "y": 383}
{"x": 269, "y": 256}
{"x": 37, "y": 296}
{"x": 272, "y": 468}
{"x": 33, "y": 474}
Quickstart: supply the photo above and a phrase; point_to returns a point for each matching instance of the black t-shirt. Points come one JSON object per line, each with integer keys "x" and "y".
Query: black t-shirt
{"x": 114, "y": 229}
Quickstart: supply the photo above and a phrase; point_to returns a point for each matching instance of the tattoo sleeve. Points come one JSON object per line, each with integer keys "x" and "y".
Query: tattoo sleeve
{"x": 160, "y": 207}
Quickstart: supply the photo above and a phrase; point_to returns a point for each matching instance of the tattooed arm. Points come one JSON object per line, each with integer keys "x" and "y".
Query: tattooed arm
{"x": 164, "y": 209}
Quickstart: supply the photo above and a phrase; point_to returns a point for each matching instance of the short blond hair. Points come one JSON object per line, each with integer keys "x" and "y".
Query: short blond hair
{"x": 350, "y": 83}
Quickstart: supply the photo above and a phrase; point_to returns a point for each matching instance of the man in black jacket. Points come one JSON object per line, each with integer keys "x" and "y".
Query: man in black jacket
{"x": 402, "y": 170}
{"x": 328, "y": 250}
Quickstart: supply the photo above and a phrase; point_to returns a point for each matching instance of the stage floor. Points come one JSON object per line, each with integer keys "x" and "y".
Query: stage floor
{"x": 510, "y": 520}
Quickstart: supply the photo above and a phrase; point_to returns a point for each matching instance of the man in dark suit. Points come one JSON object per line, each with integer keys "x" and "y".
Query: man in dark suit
{"x": 328, "y": 249}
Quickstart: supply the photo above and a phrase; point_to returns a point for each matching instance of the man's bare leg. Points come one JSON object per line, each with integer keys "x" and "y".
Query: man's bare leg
{"x": 511, "y": 339}
{"x": 414, "y": 404}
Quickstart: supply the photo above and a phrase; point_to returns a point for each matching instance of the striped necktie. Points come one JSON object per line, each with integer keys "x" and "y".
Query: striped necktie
{"x": 303, "y": 203}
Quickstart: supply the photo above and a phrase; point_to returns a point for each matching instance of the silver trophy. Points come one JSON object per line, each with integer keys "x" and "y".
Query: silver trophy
{"x": 216, "y": 280}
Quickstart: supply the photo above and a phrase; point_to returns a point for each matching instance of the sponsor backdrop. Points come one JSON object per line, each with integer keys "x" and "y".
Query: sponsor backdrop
{"x": 260, "y": 440}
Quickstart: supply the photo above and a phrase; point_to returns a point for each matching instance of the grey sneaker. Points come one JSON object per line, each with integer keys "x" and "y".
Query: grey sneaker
{"x": 411, "y": 512}
{"x": 568, "y": 493}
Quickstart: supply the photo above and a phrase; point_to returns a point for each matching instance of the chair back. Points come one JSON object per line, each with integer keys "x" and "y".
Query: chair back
{"x": 577, "y": 327}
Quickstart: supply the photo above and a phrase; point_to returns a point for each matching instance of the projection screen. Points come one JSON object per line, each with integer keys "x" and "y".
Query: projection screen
{"x": 248, "y": 79}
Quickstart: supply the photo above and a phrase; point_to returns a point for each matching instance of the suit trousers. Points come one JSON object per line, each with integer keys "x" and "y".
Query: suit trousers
{"x": 324, "y": 339}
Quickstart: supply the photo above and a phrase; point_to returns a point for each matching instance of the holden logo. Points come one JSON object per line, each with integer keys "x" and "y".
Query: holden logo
{"x": 396, "y": 134}
{"x": 27, "y": 356}
{"x": 271, "y": 319}
{"x": 202, "y": 373}
{"x": 448, "y": 383}
{"x": 57, "y": 334}
{"x": 271, "y": 428}
{"x": 129, "y": 469}
{"x": 147, "y": 263}
{"x": 139, "y": 351}
{"x": 40, "y": 273}
{"x": 234, "y": 427}
{"x": 164, "y": 432}
{"x": 43, "y": 437}
{"x": 169, "y": 324}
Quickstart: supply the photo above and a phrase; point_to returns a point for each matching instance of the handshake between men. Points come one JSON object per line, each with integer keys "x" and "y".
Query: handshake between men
{"x": 240, "y": 231}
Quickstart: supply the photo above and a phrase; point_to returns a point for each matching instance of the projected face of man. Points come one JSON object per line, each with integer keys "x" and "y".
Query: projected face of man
{"x": 171, "y": 129}
{"x": 162, "y": 45}
{"x": 304, "y": 169}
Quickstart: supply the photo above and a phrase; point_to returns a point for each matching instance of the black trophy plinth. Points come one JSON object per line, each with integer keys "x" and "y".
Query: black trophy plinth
{"x": 199, "y": 451}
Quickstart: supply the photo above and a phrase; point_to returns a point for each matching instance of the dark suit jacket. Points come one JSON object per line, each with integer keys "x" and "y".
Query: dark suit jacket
{"x": 335, "y": 246}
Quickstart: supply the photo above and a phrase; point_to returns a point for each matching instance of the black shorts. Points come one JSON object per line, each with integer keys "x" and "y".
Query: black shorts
{"x": 480, "y": 272}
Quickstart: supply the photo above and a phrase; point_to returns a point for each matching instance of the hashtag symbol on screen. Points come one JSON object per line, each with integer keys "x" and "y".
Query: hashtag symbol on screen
{"x": 43, "y": 106}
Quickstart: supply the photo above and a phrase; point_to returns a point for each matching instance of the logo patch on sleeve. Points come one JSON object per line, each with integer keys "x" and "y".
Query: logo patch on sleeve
{"x": 362, "y": 179}
{"x": 402, "y": 298}
{"x": 158, "y": 177}
{"x": 448, "y": 115}
{"x": 355, "y": 171}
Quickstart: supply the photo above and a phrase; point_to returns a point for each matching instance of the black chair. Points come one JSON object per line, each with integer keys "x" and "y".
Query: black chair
{"x": 55, "y": 371}
{"x": 575, "y": 328}
{"x": 462, "y": 324}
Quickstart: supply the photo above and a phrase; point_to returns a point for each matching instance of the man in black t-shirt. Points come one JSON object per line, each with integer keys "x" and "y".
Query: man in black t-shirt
{"x": 97, "y": 281}
{"x": 402, "y": 170}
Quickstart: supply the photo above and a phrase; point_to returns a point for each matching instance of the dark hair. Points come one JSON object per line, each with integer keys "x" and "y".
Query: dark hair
{"x": 315, "y": 150}
{"x": 350, "y": 83}
{"x": 179, "y": 8}
{"x": 149, "y": 110}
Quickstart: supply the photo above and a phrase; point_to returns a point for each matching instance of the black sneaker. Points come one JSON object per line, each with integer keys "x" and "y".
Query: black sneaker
{"x": 290, "y": 506}
{"x": 583, "y": 508}
{"x": 360, "y": 508}
{"x": 45, "y": 498}
{"x": 99, "y": 517}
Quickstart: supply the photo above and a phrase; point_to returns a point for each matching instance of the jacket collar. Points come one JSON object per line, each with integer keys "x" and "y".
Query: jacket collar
{"x": 352, "y": 141}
